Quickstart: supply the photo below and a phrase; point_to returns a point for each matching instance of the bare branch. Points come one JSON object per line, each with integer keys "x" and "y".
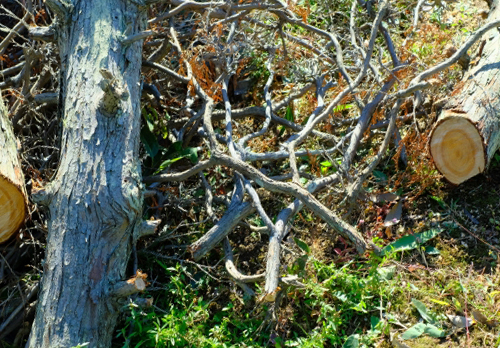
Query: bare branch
{"x": 447, "y": 62}
{"x": 168, "y": 177}
{"x": 165, "y": 70}
{"x": 363, "y": 123}
{"x": 233, "y": 271}
{"x": 237, "y": 211}
{"x": 13, "y": 32}
{"x": 310, "y": 201}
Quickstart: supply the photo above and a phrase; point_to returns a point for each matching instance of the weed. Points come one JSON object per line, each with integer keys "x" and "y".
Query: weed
{"x": 336, "y": 303}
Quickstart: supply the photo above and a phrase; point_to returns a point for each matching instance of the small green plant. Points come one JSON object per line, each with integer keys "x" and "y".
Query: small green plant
{"x": 159, "y": 157}
{"x": 185, "y": 315}
{"x": 336, "y": 300}
{"x": 495, "y": 162}
{"x": 431, "y": 326}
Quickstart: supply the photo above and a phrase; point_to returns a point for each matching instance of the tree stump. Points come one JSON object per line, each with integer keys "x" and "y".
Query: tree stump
{"x": 467, "y": 134}
{"x": 12, "y": 191}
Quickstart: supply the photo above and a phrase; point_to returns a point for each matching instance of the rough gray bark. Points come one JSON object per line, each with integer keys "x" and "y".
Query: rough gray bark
{"x": 467, "y": 134}
{"x": 95, "y": 200}
{"x": 13, "y": 196}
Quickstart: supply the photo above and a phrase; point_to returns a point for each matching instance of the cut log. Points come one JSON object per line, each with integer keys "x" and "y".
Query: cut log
{"x": 95, "y": 200}
{"x": 13, "y": 199}
{"x": 467, "y": 134}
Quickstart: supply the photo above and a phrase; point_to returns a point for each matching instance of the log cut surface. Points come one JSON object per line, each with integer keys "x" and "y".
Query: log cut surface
{"x": 12, "y": 192}
{"x": 457, "y": 148}
{"x": 12, "y": 209}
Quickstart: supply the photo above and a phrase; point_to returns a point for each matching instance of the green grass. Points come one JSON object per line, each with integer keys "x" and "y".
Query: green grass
{"x": 336, "y": 303}
{"x": 358, "y": 304}
{"x": 187, "y": 313}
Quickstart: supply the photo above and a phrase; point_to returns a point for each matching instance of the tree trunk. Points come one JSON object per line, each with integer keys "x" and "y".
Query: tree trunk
{"x": 95, "y": 200}
{"x": 467, "y": 134}
{"x": 13, "y": 197}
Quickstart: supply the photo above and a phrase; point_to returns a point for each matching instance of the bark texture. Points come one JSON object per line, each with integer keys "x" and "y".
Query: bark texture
{"x": 12, "y": 191}
{"x": 95, "y": 200}
{"x": 467, "y": 134}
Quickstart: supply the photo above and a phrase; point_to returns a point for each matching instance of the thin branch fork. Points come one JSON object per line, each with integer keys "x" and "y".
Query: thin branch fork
{"x": 31, "y": 292}
{"x": 327, "y": 111}
{"x": 13, "y": 32}
{"x": 364, "y": 122}
{"x": 355, "y": 187}
{"x": 418, "y": 82}
{"x": 215, "y": 7}
{"x": 12, "y": 70}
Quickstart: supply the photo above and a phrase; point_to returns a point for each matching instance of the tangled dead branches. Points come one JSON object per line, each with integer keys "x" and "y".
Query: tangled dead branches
{"x": 255, "y": 94}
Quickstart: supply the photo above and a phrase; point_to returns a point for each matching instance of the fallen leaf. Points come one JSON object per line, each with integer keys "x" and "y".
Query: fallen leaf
{"x": 421, "y": 328}
{"x": 444, "y": 303}
{"x": 394, "y": 215}
{"x": 411, "y": 242}
{"x": 481, "y": 318}
{"x": 388, "y": 232}
{"x": 460, "y": 321}
{"x": 413, "y": 268}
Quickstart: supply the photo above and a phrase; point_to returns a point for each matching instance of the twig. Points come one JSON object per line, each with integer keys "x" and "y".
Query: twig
{"x": 153, "y": 65}
{"x": 476, "y": 236}
{"x": 168, "y": 177}
{"x": 363, "y": 122}
{"x": 267, "y": 95}
{"x": 13, "y": 32}
{"x": 237, "y": 211}
{"x": 416, "y": 84}
{"x": 15, "y": 312}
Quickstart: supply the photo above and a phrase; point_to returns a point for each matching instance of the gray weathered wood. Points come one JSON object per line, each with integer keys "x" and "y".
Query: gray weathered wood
{"x": 95, "y": 200}
{"x": 237, "y": 211}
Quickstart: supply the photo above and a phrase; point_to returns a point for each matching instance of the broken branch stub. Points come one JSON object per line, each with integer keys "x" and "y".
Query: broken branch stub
{"x": 129, "y": 287}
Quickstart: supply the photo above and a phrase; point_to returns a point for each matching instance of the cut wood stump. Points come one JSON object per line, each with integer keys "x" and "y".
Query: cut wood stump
{"x": 467, "y": 133}
{"x": 13, "y": 198}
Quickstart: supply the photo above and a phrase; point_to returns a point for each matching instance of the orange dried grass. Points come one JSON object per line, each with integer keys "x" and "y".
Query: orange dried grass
{"x": 420, "y": 169}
